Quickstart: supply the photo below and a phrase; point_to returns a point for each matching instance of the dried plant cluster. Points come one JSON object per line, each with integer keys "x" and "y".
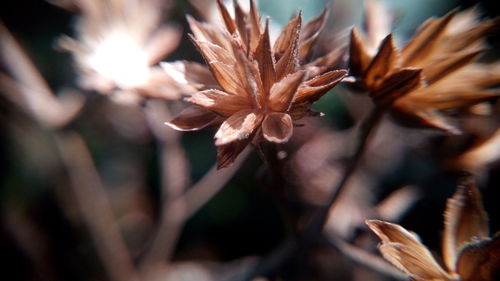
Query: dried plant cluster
{"x": 256, "y": 88}
{"x": 262, "y": 88}
{"x": 469, "y": 253}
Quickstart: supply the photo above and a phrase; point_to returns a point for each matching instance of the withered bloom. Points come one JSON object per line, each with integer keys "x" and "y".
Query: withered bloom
{"x": 118, "y": 43}
{"x": 261, "y": 88}
{"x": 433, "y": 73}
{"x": 468, "y": 253}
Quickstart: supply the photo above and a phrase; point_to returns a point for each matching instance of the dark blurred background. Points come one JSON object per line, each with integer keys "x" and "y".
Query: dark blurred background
{"x": 241, "y": 220}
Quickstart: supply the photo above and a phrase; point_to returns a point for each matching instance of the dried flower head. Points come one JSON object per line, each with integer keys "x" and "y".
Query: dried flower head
{"x": 433, "y": 73}
{"x": 261, "y": 87}
{"x": 118, "y": 43}
{"x": 468, "y": 253}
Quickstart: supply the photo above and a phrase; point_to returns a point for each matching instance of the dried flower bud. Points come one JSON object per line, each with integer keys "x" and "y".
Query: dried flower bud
{"x": 118, "y": 44}
{"x": 262, "y": 88}
{"x": 468, "y": 252}
{"x": 433, "y": 73}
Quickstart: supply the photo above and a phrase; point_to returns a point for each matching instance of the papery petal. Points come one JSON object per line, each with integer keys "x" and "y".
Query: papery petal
{"x": 237, "y": 127}
{"x": 397, "y": 85}
{"x": 359, "y": 59}
{"x": 277, "y": 127}
{"x": 220, "y": 102}
{"x": 313, "y": 89}
{"x": 226, "y": 154}
{"x": 228, "y": 21}
{"x": 384, "y": 61}
{"x": 254, "y": 22}
{"x": 194, "y": 118}
{"x": 164, "y": 41}
{"x": 310, "y": 33}
{"x": 190, "y": 73}
{"x": 251, "y": 84}
{"x": 286, "y": 48}
{"x": 287, "y": 36}
{"x": 465, "y": 220}
{"x": 263, "y": 55}
{"x": 283, "y": 92}
{"x": 403, "y": 249}
{"x": 427, "y": 37}
{"x": 449, "y": 64}
{"x": 207, "y": 32}
{"x": 480, "y": 261}
{"x": 378, "y": 22}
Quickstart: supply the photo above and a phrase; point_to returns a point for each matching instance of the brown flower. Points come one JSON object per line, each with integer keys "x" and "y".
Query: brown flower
{"x": 118, "y": 44}
{"x": 261, "y": 87}
{"x": 468, "y": 253}
{"x": 433, "y": 73}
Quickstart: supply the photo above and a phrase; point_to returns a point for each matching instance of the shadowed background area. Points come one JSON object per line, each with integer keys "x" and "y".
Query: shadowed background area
{"x": 43, "y": 235}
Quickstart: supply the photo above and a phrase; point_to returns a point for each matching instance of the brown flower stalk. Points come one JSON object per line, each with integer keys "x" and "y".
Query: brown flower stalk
{"x": 433, "y": 73}
{"x": 262, "y": 88}
{"x": 468, "y": 253}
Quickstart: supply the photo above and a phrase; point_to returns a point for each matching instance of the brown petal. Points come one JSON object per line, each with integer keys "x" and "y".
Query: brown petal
{"x": 332, "y": 60}
{"x": 164, "y": 41}
{"x": 403, "y": 249}
{"x": 465, "y": 220}
{"x": 228, "y": 21}
{"x": 191, "y": 73}
{"x": 384, "y": 61}
{"x": 286, "y": 49}
{"x": 377, "y": 22}
{"x": 263, "y": 55}
{"x": 256, "y": 29}
{"x": 251, "y": 84}
{"x": 207, "y": 32}
{"x": 287, "y": 36}
{"x": 310, "y": 33}
{"x": 277, "y": 127}
{"x": 283, "y": 92}
{"x": 480, "y": 261}
{"x": 425, "y": 40}
{"x": 397, "y": 85}
{"x": 241, "y": 19}
{"x": 226, "y": 154}
{"x": 220, "y": 102}
{"x": 313, "y": 89}
{"x": 449, "y": 64}
{"x": 468, "y": 38}
{"x": 238, "y": 127}
{"x": 193, "y": 118}
{"x": 359, "y": 59}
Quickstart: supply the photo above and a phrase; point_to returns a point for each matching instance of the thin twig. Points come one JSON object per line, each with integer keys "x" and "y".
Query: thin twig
{"x": 367, "y": 259}
{"x": 174, "y": 180}
{"x": 179, "y": 203}
{"x": 94, "y": 207}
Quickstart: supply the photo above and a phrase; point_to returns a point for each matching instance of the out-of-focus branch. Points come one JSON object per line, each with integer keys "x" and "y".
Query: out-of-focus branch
{"x": 367, "y": 259}
{"x": 178, "y": 205}
{"x": 174, "y": 180}
{"x": 94, "y": 207}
